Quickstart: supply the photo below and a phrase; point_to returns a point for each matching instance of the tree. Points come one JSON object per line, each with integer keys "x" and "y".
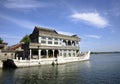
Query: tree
{"x": 1, "y": 41}
{"x": 25, "y": 39}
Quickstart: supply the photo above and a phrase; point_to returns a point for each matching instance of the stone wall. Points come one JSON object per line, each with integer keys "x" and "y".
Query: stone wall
{"x": 6, "y": 55}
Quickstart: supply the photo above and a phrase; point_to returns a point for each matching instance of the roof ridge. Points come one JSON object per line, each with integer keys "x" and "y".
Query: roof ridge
{"x": 46, "y": 29}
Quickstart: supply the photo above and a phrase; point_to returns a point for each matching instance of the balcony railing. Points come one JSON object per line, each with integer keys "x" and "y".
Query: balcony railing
{"x": 38, "y": 45}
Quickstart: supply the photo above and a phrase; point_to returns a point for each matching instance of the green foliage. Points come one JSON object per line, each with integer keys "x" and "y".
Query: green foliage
{"x": 1, "y": 41}
{"x": 25, "y": 39}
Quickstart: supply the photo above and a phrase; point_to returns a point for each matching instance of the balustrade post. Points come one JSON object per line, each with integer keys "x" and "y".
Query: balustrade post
{"x": 30, "y": 53}
{"x": 47, "y": 53}
{"x": 53, "y": 53}
{"x": 39, "y": 52}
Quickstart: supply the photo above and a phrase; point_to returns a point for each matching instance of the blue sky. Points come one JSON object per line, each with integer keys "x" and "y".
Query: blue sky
{"x": 97, "y": 22}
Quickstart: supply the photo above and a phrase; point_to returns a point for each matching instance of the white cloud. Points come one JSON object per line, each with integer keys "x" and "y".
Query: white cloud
{"x": 20, "y": 22}
{"x": 24, "y": 4}
{"x": 93, "y": 36}
{"x": 91, "y": 18}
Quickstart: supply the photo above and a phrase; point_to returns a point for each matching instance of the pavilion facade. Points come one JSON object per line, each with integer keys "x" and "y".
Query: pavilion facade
{"x": 48, "y": 43}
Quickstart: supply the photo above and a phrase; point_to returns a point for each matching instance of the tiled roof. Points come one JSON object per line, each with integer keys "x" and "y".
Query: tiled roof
{"x": 16, "y": 46}
{"x": 53, "y": 33}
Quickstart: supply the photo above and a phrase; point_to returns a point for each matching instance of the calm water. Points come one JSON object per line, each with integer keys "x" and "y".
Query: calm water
{"x": 100, "y": 69}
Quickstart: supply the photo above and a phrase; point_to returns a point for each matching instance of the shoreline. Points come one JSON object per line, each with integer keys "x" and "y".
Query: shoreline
{"x": 104, "y": 52}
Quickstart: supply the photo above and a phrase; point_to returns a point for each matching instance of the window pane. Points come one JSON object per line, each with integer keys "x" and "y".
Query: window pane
{"x": 64, "y": 54}
{"x": 56, "y": 39}
{"x": 56, "y": 43}
{"x": 43, "y": 37}
{"x": 49, "y": 42}
{"x": 43, "y": 42}
{"x": 70, "y": 54}
{"x": 49, "y": 38}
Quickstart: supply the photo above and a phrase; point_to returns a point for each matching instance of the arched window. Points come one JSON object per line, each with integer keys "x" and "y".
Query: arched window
{"x": 64, "y": 42}
{"x": 69, "y": 42}
{"x": 73, "y": 43}
{"x": 43, "y": 53}
{"x": 56, "y": 52}
{"x": 50, "y": 53}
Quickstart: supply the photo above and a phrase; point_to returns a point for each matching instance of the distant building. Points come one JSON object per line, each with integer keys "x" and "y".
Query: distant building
{"x": 11, "y": 51}
{"x": 3, "y": 46}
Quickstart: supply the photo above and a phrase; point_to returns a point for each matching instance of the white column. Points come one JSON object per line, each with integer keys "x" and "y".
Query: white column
{"x": 75, "y": 43}
{"x": 53, "y": 53}
{"x": 46, "y": 40}
{"x": 39, "y": 39}
{"x": 47, "y": 53}
{"x": 66, "y": 42}
{"x": 62, "y": 53}
{"x": 59, "y": 42}
{"x": 52, "y": 41}
{"x": 71, "y": 43}
{"x": 39, "y": 52}
{"x": 30, "y": 54}
{"x": 59, "y": 51}
{"x": 75, "y": 53}
{"x": 67, "y": 53}
{"x": 71, "y": 53}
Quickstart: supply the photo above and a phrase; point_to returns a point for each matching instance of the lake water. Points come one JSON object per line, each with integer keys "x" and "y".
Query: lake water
{"x": 100, "y": 69}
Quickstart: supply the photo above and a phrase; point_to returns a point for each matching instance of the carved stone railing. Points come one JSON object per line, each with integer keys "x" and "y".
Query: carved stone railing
{"x": 38, "y": 45}
{"x": 35, "y": 44}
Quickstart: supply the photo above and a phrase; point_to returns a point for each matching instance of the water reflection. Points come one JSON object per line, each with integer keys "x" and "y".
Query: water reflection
{"x": 7, "y": 76}
{"x": 0, "y": 76}
{"x": 66, "y": 73}
{"x": 87, "y": 64}
{"x": 101, "y": 69}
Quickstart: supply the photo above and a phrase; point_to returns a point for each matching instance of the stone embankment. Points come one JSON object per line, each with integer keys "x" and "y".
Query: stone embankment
{"x": 1, "y": 64}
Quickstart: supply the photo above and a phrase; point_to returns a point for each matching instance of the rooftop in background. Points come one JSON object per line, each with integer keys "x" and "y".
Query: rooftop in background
{"x": 3, "y": 46}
